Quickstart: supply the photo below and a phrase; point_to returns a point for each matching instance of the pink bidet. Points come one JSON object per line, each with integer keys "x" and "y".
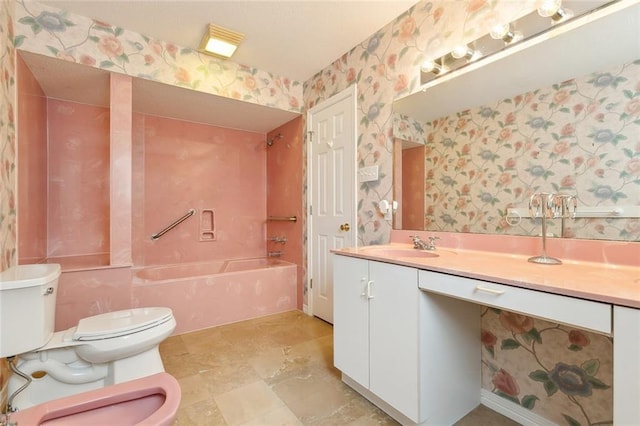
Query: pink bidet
{"x": 151, "y": 400}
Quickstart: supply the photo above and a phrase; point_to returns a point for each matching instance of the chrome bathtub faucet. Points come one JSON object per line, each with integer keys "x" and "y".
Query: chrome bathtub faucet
{"x": 419, "y": 244}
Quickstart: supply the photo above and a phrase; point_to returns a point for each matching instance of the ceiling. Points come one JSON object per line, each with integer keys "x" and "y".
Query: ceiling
{"x": 290, "y": 38}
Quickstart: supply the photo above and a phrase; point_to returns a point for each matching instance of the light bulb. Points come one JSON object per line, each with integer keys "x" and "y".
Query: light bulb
{"x": 553, "y": 9}
{"x": 499, "y": 31}
{"x": 462, "y": 51}
{"x": 548, "y": 8}
{"x": 428, "y": 66}
{"x": 432, "y": 66}
{"x": 504, "y": 33}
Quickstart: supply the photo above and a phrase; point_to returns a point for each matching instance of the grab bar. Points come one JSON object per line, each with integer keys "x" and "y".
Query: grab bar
{"x": 285, "y": 218}
{"x": 174, "y": 224}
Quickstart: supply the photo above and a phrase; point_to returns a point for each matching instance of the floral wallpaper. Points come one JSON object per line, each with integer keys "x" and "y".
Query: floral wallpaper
{"x": 578, "y": 137}
{"x": 560, "y": 373}
{"x": 7, "y": 139}
{"x": 386, "y": 66}
{"x": 8, "y": 150}
{"x": 52, "y": 32}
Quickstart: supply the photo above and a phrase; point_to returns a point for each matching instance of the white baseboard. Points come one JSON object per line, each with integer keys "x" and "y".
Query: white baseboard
{"x": 305, "y": 309}
{"x": 514, "y": 411}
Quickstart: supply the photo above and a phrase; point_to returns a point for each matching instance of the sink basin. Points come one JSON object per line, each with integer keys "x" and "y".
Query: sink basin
{"x": 399, "y": 252}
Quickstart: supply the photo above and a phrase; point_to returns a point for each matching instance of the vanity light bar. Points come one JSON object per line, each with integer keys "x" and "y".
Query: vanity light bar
{"x": 463, "y": 54}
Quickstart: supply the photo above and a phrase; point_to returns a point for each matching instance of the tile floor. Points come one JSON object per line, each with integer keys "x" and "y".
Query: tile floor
{"x": 275, "y": 370}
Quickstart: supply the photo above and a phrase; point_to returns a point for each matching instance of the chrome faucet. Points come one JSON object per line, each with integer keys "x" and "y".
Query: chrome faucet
{"x": 419, "y": 244}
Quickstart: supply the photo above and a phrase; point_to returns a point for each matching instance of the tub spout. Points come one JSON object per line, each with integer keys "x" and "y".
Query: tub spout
{"x": 274, "y": 254}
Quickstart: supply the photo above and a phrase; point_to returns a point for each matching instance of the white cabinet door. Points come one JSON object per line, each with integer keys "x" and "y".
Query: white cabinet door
{"x": 394, "y": 336}
{"x": 351, "y": 318}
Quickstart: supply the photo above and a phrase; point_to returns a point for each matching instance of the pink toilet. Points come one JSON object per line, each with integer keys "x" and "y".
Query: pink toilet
{"x": 152, "y": 400}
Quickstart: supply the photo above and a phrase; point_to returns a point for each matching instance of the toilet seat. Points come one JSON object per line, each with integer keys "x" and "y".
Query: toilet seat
{"x": 120, "y": 323}
{"x": 111, "y": 336}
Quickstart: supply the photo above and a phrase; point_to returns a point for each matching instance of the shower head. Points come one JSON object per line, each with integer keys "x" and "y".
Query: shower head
{"x": 273, "y": 139}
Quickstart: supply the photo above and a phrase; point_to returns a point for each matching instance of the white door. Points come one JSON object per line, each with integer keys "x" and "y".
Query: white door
{"x": 332, "y": 192}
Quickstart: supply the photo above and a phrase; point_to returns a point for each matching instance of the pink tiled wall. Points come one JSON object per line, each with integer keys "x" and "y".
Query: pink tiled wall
{"x": 284, "y": 194}
{"x": 191, "y": 165}
{"x": 103, "y": 179}
{"x": 120, "y": 164}
{"x": 32, "y": 172}
{"x": 78, "y": 205}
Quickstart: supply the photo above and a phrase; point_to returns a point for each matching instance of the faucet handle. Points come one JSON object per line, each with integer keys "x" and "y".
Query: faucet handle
{"x": 417, "y": 241}
{"x": 432, "y": 242}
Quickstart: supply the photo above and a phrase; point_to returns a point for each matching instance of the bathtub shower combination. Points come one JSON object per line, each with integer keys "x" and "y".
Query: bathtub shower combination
{"x": 206, "y": 294}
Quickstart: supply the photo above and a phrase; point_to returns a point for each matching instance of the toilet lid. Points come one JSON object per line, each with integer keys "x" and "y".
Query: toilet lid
{"x": 120, "y": 323}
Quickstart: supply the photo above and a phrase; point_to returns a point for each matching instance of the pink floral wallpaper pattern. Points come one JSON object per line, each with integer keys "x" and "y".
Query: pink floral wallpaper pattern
{"x": 56, "y": 33}
{"x": 537, "y": 365}
{"x": 8, "y": 174}
{"x": 386, "y": 66}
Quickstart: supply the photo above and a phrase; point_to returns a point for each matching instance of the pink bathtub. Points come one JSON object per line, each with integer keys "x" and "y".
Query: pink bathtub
{"x": 206, "y": 294}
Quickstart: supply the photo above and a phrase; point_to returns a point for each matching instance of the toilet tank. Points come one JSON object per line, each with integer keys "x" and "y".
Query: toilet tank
{"x": 27, "y": 307}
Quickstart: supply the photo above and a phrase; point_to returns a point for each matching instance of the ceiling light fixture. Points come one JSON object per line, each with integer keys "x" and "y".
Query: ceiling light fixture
{"x": 220, "y": 42}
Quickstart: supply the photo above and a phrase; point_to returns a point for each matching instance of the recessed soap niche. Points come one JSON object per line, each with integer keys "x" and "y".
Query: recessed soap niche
{"x": 207, "y": 225}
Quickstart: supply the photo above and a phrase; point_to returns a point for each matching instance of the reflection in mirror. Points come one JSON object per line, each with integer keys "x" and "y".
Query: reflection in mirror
{"x": 412, "y": 205}
{"x": 576, "y": 136}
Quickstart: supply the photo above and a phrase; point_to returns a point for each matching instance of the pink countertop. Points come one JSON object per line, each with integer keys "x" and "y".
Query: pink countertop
{"x": 617, "y": 284}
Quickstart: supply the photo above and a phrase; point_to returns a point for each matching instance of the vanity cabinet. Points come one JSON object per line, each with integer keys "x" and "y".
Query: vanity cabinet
{"x": 376, "y": 331}
{"x": 407, "y": 339}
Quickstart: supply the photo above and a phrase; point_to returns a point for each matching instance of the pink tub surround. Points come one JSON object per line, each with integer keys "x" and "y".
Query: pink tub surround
{"x": 206, "y": 294}
{"x": 152, "y": 400}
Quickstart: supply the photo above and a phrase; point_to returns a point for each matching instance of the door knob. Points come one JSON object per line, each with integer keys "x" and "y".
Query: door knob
{"x": 345, "y": 227}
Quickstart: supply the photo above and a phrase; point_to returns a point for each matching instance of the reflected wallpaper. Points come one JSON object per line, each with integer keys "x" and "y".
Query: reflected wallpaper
{"x": 578, "y": 137}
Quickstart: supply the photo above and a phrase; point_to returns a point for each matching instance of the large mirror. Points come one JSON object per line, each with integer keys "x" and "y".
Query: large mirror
{"x": 558, "y": 112}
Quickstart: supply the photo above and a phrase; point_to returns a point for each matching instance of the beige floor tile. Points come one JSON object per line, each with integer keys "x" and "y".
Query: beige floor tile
{"x": 199, "y": 414}
{"x": 483, "y": 416}
{"x": 193, "y": 390}
{"x": 274, "y": 370}
{"x": 210, "y": 340}
{"x": 174, "y": 345}
{"x": 358, "y": 411}
{"x": 248, "y": 403}
{"x": 229, "y": 375}
{"x": 279, "y": 417}
{"x": 315, "y": 396}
